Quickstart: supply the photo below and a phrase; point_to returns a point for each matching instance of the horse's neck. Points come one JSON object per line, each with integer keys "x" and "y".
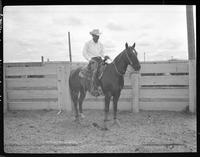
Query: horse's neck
{"x": 121, "y": 64}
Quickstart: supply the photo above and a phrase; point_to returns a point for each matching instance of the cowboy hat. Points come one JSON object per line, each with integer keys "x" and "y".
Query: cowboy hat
{"x": 95, "y": 32}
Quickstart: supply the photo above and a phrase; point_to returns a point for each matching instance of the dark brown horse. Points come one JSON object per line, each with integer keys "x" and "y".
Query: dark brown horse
{"x": 111, "y": 82}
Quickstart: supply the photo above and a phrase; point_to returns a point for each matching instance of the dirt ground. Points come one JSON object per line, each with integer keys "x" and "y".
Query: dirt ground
{"x": 143, "y": 132}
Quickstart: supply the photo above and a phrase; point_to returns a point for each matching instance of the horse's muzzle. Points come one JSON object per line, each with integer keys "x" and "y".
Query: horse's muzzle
{"x": 137, "y": 68}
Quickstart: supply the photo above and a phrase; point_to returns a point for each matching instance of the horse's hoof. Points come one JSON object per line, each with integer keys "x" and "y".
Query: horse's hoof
{"x": 76, "y": 120}
{"x": 117, "y": 123}
{"x": 82, "y": 115}
{"x": 105, "y": 128}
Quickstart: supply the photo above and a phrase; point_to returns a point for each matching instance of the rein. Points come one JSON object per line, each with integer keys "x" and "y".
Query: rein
{"x": 116, "y": 66}
{"x": 117, "y": 70}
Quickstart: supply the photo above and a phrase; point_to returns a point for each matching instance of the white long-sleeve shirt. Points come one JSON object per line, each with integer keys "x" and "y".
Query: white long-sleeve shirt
{"x": 92, "y": 49}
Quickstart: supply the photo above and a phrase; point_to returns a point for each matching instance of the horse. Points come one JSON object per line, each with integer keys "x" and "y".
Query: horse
{"x": 111, "y": 82}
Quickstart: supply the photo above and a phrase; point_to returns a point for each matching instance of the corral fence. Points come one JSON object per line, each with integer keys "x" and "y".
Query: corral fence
{"x": 36, "y": 85}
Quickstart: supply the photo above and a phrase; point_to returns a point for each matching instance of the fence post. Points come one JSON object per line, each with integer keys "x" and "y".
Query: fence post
{"x": 191, "y": 56}
{"x": 59, "y": 87}
{"x": 70, "y": 100}
{"x": 192, "y": 86}
{"x": 5, "y": 106}
{"x": 66, "y": 88}
{"x": 135, "y": 92}
{"x": 64, "y": 98}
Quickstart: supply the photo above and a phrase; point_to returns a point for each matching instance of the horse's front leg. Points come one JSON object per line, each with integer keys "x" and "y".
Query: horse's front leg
{"x": 106, "y": 110}
{"x": 115, "y": 102}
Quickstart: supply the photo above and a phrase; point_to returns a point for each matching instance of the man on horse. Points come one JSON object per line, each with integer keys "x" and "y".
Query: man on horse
{"x": 93, "y": 52}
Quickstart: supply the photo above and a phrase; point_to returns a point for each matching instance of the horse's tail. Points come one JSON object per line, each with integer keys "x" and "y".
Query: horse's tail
{"x": 70, "y": 86}
{"x": 71, "y": 92}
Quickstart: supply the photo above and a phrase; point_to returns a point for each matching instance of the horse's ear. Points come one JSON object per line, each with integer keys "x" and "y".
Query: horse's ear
{"x": 133, "y": 46}
{"x": 126, "y": 45}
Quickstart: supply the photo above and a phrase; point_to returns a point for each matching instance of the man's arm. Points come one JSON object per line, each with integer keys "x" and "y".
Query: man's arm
{"x": 85, "y": 52}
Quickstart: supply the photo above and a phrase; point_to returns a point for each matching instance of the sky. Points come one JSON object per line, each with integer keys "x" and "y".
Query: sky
{"x": 159, "y": 31}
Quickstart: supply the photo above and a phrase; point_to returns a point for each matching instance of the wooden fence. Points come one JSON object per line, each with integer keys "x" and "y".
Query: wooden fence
{"x": 36, "y": 85}
{"x": 158, "y": 86}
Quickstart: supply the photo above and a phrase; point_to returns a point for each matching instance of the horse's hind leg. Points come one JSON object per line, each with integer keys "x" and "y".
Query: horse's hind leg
{"x": 75, "y": 99}
{"x": 81, "y": 98}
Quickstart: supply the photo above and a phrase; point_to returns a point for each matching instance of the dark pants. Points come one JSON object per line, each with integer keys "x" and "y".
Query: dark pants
{"x": 93, "y": 66}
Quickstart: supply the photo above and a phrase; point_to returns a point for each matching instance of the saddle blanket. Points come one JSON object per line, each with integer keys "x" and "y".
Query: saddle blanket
{"x": 85, "y": 73}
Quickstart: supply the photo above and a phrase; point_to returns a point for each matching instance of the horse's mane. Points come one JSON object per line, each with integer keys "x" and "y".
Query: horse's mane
{"x": 118, "y": 56}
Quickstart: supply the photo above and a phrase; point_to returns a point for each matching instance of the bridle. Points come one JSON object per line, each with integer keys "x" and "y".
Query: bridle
{"x": 130, "y": 62}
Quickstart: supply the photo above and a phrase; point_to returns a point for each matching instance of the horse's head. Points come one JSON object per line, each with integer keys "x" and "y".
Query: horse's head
{"x": 131, "y": 54}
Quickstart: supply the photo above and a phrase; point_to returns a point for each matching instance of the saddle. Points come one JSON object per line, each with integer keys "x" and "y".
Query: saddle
{"x": 87, "y": 73}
